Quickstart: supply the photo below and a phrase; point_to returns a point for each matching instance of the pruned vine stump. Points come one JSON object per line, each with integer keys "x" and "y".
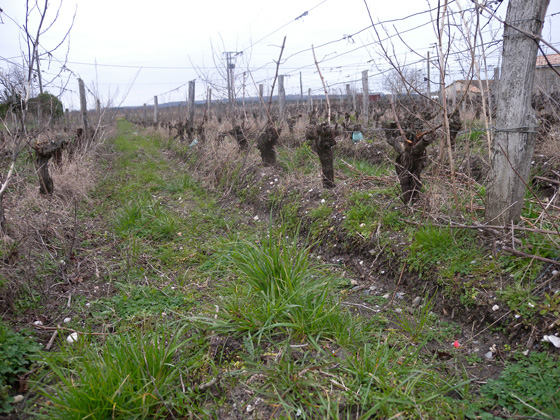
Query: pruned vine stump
{"x": 323, "y": 138}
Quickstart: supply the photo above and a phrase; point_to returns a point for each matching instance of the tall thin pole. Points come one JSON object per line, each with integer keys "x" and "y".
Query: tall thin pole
{"x": 365, "y": 96}
{"x": 83, "y": 106}
{"x": 429, "y": 88}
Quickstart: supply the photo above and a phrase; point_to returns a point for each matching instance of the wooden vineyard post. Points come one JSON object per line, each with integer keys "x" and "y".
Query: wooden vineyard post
{"x": 190, "y": 104}
{"x": 365, "y": 97}
{"x": 83, "y": 107}
{"x": 144, "y": 119}
{"x": 155, "y": 110}
{"x": 281, "y": 97}
{"x": 261, "y": 99}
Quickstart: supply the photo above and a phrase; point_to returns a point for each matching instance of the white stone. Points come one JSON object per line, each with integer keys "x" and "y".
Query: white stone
{"x": 72, "y": 338}
{"x": 18, "y": 398}
{"x": 38, "y": 323}
{"x": 67, "y": 320}
{"x": 495, "y": 308}
{"x": 555, "y": 341}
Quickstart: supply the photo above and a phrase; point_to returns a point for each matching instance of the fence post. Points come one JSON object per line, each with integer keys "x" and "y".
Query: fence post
{"x": 365, "y": 96}
{"x": 155, "y": 110}
{"x": 281, "y": 96}
{"x": 261, "y": 99}
{"x": 190, "y": 104}
{"x": 309, "y": 101}
{"x": 83, "y": 107}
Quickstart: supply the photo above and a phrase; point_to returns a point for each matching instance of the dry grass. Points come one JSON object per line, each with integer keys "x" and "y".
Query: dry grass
{"x": 41, "y": 229}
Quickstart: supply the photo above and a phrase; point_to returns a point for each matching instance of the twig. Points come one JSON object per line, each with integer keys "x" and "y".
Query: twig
{"x": 358, "y": 305}
{"x": 529, "y": 188}
{"x": 525, "y": 255}
{"x": 490, "y": 227}
{"x": 533, "y": 408}
{"x": 42, "y": 327}
{"x": 51, "y": 341}
{"x": 208, "y": 384}
{"x": 275, "y": 78}
{"x": 324, "y": 86}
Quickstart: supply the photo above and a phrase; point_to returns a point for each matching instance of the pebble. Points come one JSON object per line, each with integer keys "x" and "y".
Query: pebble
{"x": 18, "y": 398}
{"x": 72, "y": 338}
{"x": 552, "y": 339}
{"x": 495, "y": 308}
{"x": 38, "y": 323}
{"x": 416, "y": 301}
{"x": 67, "y": 320}
{"x": 489, "y": 355}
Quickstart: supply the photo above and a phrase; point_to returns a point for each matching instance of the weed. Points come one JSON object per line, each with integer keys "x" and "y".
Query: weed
{"x": 528, "y": 387}
{"x": 17, "y": 350}
{"x": 422, "y": 319}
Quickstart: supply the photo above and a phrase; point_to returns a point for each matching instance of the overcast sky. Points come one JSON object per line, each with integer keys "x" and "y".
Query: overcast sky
{"x": 128, "y": 51}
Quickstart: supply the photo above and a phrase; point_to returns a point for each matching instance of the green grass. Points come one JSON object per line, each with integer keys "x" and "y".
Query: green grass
{"x": 136, "y": 301}
{"x": 362, "y": 215}
{"x": 279, "y": 292}
{"x": 301, "y": 160}
{"x": 362, "y": 168}
{"x": 131, "y": 376}
{"x": 449, "y": 251}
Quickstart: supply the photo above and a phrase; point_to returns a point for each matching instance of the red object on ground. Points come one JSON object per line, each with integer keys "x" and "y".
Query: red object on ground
{"x": 456, "y": 344}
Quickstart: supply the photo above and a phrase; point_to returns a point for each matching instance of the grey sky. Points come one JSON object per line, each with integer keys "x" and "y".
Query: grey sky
{"x": 146, "y": 48}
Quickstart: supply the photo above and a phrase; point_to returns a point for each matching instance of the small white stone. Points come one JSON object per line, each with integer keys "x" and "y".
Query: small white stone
{"x": 517, "y": 316}
{"x": 555, "y": 341}
{"x": 489, "y": 355}
{"x": 531, "y": 305}
{"x": 256, "y": 218}
{"x": 88, "y": 304}
{"x": 398, "y": 310}
{"x": 67, "y": 320}
{"x": 526, "y": 353}
{"x": 250, "y": 408}
{"x": 38, "y": 323}
{"x": 554, "y": 272}
{"x": 495, "y": 308}
{"x": 322, "y": 200}
{"x": 18, "y": 398}
{"x": 72, "y": 338}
